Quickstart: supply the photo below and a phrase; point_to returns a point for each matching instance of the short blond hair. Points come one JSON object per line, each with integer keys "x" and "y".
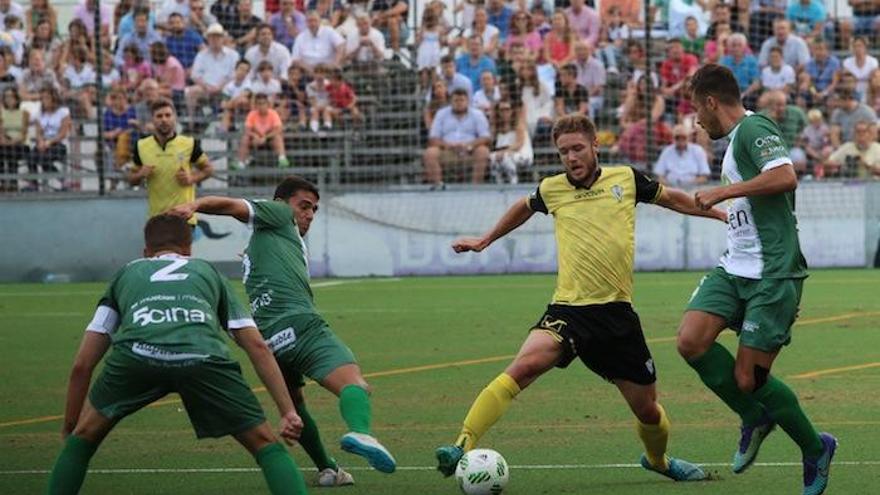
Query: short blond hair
{"x": 575, "y": 122}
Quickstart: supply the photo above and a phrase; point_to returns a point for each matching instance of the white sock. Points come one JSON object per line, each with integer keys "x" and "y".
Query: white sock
{"x": 314, "y": 125}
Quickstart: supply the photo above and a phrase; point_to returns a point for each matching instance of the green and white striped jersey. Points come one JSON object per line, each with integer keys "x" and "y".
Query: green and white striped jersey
{"x": 762, "y": 237}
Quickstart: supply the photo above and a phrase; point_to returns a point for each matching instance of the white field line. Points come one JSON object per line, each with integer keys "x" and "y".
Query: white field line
{"x": 525, "y": 467}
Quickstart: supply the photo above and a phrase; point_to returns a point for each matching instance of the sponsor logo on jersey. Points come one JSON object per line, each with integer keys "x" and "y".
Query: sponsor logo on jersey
{"x": 261, "y": 301}
{"x": 591, "y": 193}
{"x": 153, "y": 352}
{"x": 771, "y": 140}
{"x": 154, "y": 316}
{"x": 281, "y": 340}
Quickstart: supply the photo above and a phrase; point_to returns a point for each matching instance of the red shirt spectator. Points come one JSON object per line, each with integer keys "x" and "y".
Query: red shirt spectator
{"x": 633, "y": 143}
{"x": 675, "y": 71}
{"x": 341, "y": 94}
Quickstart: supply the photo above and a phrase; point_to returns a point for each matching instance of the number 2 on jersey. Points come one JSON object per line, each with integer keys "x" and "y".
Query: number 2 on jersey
{"x": 166, "y": 274}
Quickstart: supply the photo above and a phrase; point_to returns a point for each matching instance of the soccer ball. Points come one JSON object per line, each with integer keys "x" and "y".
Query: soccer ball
{"x": 482, "y": 472}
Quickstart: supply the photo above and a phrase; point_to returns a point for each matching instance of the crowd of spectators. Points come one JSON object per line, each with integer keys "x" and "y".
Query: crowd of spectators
{"x": 494, "y": 75}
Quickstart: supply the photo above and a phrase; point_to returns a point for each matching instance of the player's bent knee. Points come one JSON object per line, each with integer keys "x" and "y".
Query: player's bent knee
{"x": 647, "y": 412}
{"x": 745, "y": 380}
{"x": 256, "y": 438}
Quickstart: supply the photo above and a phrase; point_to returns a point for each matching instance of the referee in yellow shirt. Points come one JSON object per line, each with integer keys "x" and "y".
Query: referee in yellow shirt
{"x": 170, "y": 164}
{"x": 591, "y": 315}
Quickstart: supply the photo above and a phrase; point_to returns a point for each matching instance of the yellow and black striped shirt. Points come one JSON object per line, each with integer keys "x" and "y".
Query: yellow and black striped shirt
{"x": 595, "y": 232}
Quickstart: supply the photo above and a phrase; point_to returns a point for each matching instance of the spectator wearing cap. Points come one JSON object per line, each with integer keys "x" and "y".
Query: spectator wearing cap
{"x": 859, "y": 157}
{"x": 794, "y": 49}
{"x": 142, "y": 37}
{"x": 183, "y": 42}
{"x": 318, "y": 44}
{"x": 845, "y": 116}
{"x": 459, "y": 136}
{"x": 211, "y": 70}
{"x": 269, "y": 50}
{"x": 682, "y": 163}
{"x": 474, "y": 62}
{"x": 287, "y": 23}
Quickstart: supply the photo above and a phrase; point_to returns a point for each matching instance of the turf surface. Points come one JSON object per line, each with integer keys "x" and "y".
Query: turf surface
{"x": 570, "y": 427}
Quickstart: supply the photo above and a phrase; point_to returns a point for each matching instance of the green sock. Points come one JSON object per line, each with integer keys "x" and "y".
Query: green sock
{"x": 782, "y": 405}
{"x": 715, "y": 368}
{"x": 280, "y": 470}
{"x": 354, "y": 405}
{"x": 310, "y": 439}
{"x": 70, "y": 468}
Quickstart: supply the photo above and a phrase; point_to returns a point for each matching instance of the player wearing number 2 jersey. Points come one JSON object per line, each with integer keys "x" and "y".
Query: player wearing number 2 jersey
{"x": 756, "y": 289}
{"x": 164, "y": 316}
{"x": 276, "y": 278}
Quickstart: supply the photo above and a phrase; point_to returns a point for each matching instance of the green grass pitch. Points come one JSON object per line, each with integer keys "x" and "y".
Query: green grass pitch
{"x": 562, "y": 435}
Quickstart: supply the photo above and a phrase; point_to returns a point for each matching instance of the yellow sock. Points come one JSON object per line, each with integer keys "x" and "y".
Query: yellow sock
{"x": 490, "y": 405}
{"x": 655, "y": 437}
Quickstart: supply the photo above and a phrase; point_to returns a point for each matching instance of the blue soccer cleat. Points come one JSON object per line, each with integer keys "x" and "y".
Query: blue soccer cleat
{"x": 447, "y": 458}
{"x": 368, "y": 447}
{"x": 816, "y": 471}
{"x": 677, "y": 469}
{"x": 749, "y": 443}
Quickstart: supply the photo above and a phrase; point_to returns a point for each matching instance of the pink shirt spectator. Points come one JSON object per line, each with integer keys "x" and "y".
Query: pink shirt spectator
{"x": 532, "y": 41}
{"x": 88, "y": 16}
{"x": 171, "y": 73}
{"x": 134, "y": 73}
{"x": 585, "y": 24}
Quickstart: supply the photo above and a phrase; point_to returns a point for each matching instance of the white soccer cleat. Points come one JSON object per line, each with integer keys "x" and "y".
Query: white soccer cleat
{"x": 330, "y": 478}
{"x": 368, "y": 447}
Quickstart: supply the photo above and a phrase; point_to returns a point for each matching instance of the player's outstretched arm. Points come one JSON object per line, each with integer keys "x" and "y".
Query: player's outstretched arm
{"x": 214, "y": 205}
{"x": 93, "y": 347}
{"x": 515, "y": 216}
{"x": 682, "y": 202}
{"x": 777, "y": 180}
{"x": 267, "y": 369}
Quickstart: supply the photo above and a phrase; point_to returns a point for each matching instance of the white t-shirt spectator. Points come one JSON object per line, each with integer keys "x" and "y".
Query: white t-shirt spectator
{"x": 319, "y": 93}
{"x": 234, "y": 89}
{"x": 452, "y": 128}
{"x": 862, "y": 74}
{"x": 794, "y": 51}
{"x": 272, "y": 87}
{"x": 483, "y": 101}
{"x": 277, "y": 55}
{"x": 51, "y": 122}
{"x": 682, "y": 168}
{"x": 364, "y": 53}
{"x": 78, "y": 79}
{"x": 313, "y": 49}
{"x": 771, "y": 79}
{"x": 215, "y": 69}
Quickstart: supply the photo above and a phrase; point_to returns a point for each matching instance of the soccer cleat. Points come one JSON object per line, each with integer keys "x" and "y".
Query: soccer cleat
{"x": 749, "y": 443}
{"x": 677, "y": 469}
{"x": 368, "y": 447}
{"x": 447, "y": 458}
{"x": 816, "y": 471}
{"x": 340, "y": 477}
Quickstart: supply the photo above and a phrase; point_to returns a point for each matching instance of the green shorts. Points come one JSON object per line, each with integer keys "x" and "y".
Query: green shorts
{"x": 306, "y": 346}
{"x": 761, "y": 311}
{"x": 214, "y": 393}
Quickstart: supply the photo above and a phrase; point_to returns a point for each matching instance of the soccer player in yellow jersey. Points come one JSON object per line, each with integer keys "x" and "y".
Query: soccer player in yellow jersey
{"x": 170, "y": 163}
{"x": 591, "y": 315}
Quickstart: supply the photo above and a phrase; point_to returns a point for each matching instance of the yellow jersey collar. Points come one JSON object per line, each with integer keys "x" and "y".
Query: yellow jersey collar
{"x": 580, "y": 185}
{"x": 164, "y": 146}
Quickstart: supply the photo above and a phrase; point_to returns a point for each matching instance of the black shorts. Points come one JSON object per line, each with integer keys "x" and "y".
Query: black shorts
{"x": 607, "y": 338}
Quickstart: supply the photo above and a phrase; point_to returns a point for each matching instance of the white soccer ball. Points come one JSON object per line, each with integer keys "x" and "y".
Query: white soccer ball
{"x": 482, "y": 472}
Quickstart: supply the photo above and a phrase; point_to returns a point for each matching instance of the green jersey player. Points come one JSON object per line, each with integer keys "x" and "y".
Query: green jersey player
{"x": 276, "y": 278}
{"x": 756, "y": 289}
{"x": 164, "y": 316}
